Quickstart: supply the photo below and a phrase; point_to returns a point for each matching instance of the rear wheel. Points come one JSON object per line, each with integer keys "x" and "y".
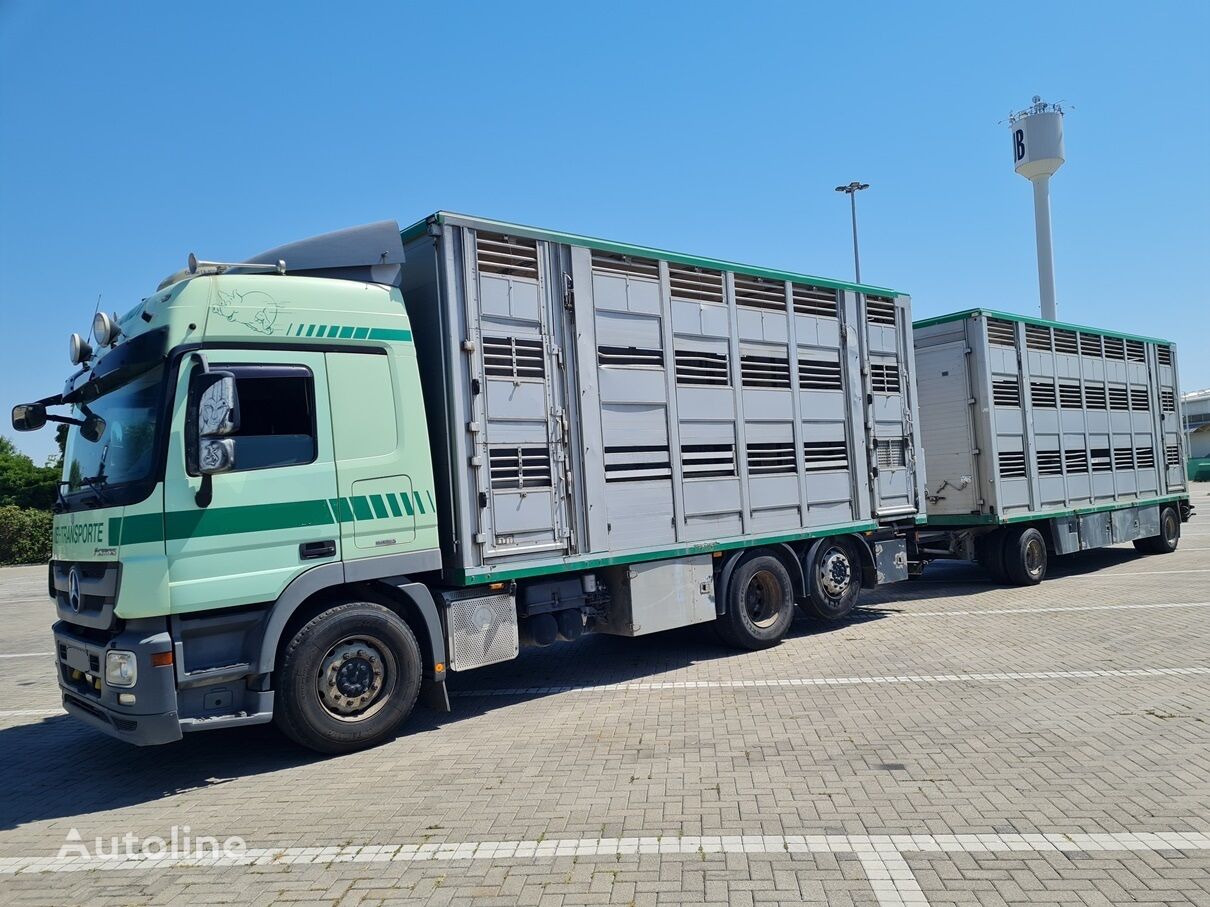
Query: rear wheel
{"x": 833, "y": 580}
{"x": 1025, "y": 556}
{"x": 989, "y": 552}
{"x": 760, "y": 604}
{"x": 348, "y": 678}
{"x": 1169, "y": 537}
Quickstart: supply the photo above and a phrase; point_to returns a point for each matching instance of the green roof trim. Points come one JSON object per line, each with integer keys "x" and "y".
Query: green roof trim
{"x": 990, "y": 519}
{"x": 1029, "y": 319}
{"x": 419, "y": 229}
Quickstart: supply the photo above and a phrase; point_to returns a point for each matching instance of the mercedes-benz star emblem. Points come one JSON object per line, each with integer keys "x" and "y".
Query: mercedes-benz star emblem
{"x": 73, "y": 589}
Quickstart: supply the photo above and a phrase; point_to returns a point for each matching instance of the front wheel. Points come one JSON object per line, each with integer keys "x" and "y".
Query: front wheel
{"x": 348, "y": 678}
{"x": 1169, "y": 537}
{"x": 760, "y": 604}
{"x": 833, "y": 580}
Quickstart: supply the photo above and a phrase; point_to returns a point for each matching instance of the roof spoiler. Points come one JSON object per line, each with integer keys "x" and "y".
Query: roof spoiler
{"x": 371, "y": 253}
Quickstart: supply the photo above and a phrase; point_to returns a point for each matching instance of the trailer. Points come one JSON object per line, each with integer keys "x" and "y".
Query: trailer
{"x": 1043, "y": 438}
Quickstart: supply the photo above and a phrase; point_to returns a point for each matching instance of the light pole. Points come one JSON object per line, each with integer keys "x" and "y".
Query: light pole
{"x": 852, "y": 189}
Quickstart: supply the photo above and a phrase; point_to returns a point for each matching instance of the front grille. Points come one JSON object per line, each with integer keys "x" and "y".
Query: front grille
{"x": 97, "y": 584}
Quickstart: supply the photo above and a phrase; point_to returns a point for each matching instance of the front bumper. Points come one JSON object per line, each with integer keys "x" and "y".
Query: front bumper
{"x": 153, "y": 717}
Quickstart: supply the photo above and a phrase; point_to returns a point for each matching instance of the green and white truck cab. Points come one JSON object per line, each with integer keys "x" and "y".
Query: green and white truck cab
{"x": 285, "y": 499}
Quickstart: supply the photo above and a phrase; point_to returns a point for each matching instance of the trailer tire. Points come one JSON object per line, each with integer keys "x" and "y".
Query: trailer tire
{"x": 760, "y": 604}
{"x": 1025, "y": 555}
{"x": 833, "y": 574}
{"x": 989, "y": 553}
{"x": 1169, "y": 537}
{"x": 348, "y": 678}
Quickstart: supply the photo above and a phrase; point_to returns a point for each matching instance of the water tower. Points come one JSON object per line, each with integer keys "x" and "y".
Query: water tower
{"x": 1037, "y": 154}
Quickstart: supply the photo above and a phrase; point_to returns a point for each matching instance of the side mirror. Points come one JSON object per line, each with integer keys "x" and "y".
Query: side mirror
{"x": 92, "y": 428}
{"x": 213, "y": 412}
{"x": 29, "y": 416}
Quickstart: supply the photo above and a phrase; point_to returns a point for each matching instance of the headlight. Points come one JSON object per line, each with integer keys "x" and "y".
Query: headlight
{"x": 121, "y": 669}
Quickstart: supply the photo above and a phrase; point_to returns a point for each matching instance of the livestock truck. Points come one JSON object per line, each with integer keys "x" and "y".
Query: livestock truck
{"x": 306, "y": 487}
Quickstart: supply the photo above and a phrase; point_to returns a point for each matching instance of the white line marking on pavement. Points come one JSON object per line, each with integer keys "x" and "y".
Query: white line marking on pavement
{"x": 891, "y": 679}
{"x": 28, "y": 655}
{"x": 978, "y": 611}
{"x": 891, "y": 878}
{"x": 881, "y": 855}
{"x": 23, "y": 713}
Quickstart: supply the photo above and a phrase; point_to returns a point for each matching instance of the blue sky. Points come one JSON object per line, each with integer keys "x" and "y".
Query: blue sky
{"x": 133, "y": 133}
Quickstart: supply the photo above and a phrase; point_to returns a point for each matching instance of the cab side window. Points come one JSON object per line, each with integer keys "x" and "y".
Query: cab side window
{"x": 276, "y": 416}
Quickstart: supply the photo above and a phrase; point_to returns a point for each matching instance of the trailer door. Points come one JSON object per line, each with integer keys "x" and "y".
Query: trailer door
{"x": 888, "y": 406}
{"x": 519, "y": 426}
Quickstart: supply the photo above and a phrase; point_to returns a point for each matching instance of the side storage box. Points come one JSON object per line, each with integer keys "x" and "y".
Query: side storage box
{"x": 648, "y": 598}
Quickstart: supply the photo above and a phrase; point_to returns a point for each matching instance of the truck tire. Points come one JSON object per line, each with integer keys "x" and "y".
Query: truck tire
{"x": 1025, "y": 555}
{"x": 833, "y": 575}
{"x": 1169, "y": 537}
{"x": 348, "y": 678}
{"x": 760, "y": 604}
{"x": 989, "y": 553}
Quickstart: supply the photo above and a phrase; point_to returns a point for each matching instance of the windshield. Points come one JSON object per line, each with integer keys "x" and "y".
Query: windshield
{"x": 125, "y": 452}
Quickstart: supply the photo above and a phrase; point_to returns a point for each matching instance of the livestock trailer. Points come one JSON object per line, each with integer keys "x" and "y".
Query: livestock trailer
{"x": 1046, "y": 438}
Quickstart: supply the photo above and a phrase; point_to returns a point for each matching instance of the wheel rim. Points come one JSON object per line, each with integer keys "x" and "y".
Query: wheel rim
{"x": 762, "y": 599}
{"x": 356, "y": 678}
{"x": 835, "y": 572}
{"x": 1169, "y": 526}
{"x": 1035, "y": 556}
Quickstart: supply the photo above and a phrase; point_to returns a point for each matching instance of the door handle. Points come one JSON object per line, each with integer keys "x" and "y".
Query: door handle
{"x": 310, "y": 550}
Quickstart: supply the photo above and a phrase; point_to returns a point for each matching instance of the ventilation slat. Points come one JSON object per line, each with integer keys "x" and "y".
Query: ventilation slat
{"x": 1144, "y": 457}
{"x": 818, "y": 301}
{"x": 1065, "y": 342}
{"x": 1102, "y": 460}
{"x": 818, "y": 373}
{"x": 890, "y": 453}
{"x": 1006, "y": 392}
{"x": 884, "y": 378}
{"x": 641, "y": 463}
{"x": 519, "y": 468}
{"x": 695, "y": 284}
{"x": 1123, "y": 458}
{"x": 765, "y": 371}
{"x": 880, "y": 310}
{"x": 1042, "y": 394}
{"x": 1050, "y": 462}
{"x": 610, "y": 263}
{"x": 1075, "y": 460}
{"x": 771, "y": 459}
{"x": 1070, "y": 396}
{"x": 1172, "y": 455}
{"x": 1163, "y": 355}
{"x": 629, "y": 357}
{"x": 1140, "y": 400}
{"x": 1119, "y": 398}
{"x": 1012, "y": 464}
{"x": 694, "y": 367}
{"x": 1001, "y": 332}
{"x": 1090, "y": 344}
{"x": 708, "y": 461}
{"x": 508, "y": 255}
{"x": 513, "y": 357}
{"x": 1037, "y": 337}
{"x": 1094, "y": 395}
{"x": 1115, "y": 348}
{"x": 1167, "y": 400}
{"x": 759, "y": 293}
{"x": 825, "y": 456}
{"x": 1135, "y": 351}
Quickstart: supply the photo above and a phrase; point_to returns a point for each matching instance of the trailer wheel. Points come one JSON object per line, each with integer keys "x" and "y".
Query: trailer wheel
{"x": 1169, "y": 537}
{"x": 989, "y": 553}
{"x": 348, "y": 678}
{"x": 1025, "y": 555}
{"x": 760, "y": 604}
{"x": 833, "y": 580}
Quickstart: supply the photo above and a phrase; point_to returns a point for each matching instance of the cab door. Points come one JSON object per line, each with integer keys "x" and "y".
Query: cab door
{"x": 270, "y": 517}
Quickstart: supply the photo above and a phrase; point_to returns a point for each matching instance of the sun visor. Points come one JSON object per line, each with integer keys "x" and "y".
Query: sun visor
{"x": 372, "y": 253}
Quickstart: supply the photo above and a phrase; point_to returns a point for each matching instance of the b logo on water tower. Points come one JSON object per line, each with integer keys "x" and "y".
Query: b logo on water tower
{"x": 1018, "y": 145}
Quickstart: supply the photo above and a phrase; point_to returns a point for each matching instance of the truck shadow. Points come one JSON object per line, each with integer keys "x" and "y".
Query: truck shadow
{"x": 57, "y": 767}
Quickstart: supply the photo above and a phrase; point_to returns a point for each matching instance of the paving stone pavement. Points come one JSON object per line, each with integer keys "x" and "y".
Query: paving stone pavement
{"x": 1044, "y": 745}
